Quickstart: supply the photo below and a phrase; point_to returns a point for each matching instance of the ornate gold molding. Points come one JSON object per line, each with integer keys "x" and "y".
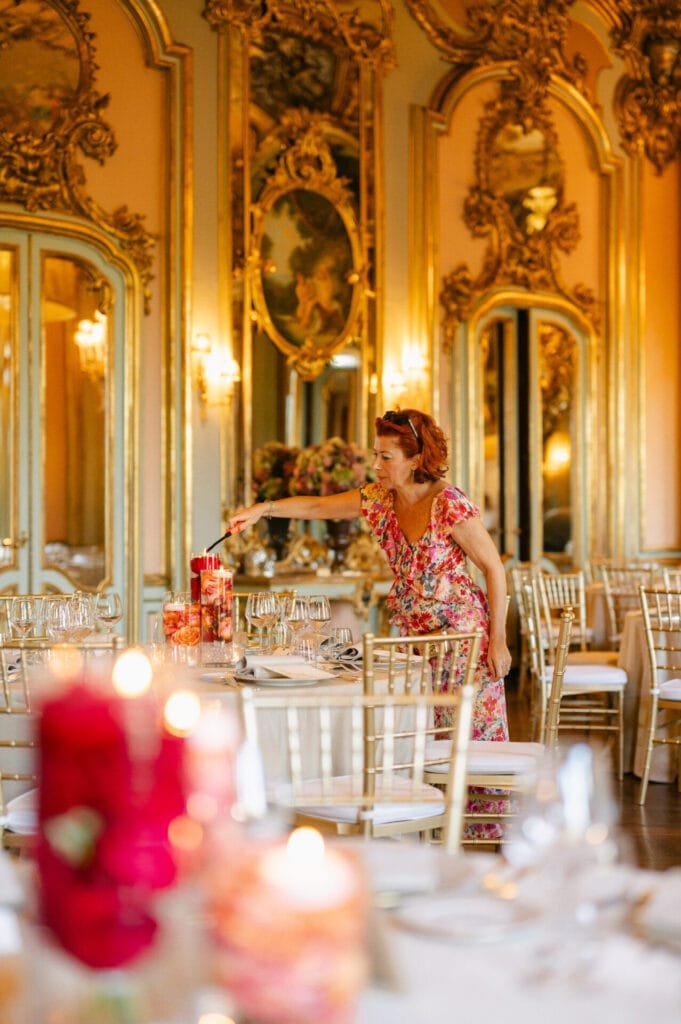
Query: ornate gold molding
{"x": 518, "y": 201}
{"x": 365, "y": 32}
{"x": 648, "y": 100}
{"x": 523, "y": 31}
{"x": 53, "y": 120}
{"x": 304, "y": 188}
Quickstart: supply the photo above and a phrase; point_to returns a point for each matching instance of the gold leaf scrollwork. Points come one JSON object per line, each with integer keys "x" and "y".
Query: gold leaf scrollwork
{"x": 308, "y": 300}
{"x": 648, "y": 100}
{"x": 530, "y": 32}
{"x": 365, "y": 32}
{"x": 517, "y": 201}
{"x": 55, "y": 119}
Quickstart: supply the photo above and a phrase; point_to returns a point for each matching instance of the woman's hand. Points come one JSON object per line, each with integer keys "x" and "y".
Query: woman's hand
{"x": 246, "y": 516}
{"x": 498, "y": 658}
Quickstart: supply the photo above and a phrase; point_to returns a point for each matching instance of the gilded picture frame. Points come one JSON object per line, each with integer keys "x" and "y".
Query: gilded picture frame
{"x": 307, "y": 255}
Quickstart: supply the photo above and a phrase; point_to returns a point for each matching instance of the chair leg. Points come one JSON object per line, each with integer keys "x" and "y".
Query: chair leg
{"x": 620, "y": 736}
{"x": 649, "y": 753}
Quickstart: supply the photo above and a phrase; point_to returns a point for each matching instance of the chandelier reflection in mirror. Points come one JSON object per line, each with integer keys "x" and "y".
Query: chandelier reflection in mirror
{"x": 90, "y": 337}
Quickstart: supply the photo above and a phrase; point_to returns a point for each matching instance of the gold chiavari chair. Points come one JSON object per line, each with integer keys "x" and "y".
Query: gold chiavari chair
{"x": 621, "y": 588}
{"x": 662, "y": 625}
{"x": 521, "y": 573}
{"x": 380, "y": 741}
{"x": 556, "y": 592}
{"x": 18, "y": 778}
{"x": 592, "y": 692}
{"x": 671, "y": 577}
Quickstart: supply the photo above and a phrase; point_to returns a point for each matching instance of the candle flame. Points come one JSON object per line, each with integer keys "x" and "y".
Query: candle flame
{"x": 305, "y": 846}
{"x": 132, "y": 673}
{"x": 182, "y": 712}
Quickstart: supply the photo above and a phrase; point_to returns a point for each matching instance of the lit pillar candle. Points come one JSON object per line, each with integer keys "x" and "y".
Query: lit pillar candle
{"x": 289, "y": 925}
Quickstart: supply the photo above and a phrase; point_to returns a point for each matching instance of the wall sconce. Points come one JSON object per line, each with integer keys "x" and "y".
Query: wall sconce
{"x": 215, "y": 372}
{"x": 90, "y": 337}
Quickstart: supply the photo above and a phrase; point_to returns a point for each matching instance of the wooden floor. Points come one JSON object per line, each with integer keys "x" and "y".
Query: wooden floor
{"x": 652, "y": 833}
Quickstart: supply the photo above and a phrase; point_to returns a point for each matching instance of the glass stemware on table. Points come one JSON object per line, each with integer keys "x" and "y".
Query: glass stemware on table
{"x": 262, "y": 611}
{"x": 24, "y": 612}
{"x": 108, "y": 610}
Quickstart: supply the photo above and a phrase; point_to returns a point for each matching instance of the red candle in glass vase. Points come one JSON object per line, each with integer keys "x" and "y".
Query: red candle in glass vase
{"x": 196, "y": 564}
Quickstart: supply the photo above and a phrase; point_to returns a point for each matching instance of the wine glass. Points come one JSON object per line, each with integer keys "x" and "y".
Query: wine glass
{"x": 56, "y": 617}
{"x": 23, "y": 613}
{"x": 108, "y": 611}
{"x": 265, "y": 613}
{"x": 319, "y": 613}
{"x": 295, "y": 613}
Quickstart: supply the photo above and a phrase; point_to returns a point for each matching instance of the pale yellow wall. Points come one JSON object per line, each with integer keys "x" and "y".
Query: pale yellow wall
{"x": 661, "y": 355}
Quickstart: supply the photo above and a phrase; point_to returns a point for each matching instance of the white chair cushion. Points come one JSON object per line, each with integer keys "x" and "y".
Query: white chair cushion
{"x": 585, "y": 678}
{"x": 671, "y": 689}
{"x": 490, "y": 757}
{"x": 21, "y": 814}
{"x": 411, "y": 809}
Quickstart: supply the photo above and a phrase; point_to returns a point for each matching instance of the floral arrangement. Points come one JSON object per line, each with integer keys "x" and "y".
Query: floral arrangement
{"x": 330, "y": 468}
{"x": 273, "y": 466}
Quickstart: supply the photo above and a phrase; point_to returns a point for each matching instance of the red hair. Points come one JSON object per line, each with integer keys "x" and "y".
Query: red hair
{"x": 417, "y": 433}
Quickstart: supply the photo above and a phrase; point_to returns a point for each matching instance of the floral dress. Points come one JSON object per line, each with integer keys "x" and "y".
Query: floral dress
{"x": 432, "y": 591}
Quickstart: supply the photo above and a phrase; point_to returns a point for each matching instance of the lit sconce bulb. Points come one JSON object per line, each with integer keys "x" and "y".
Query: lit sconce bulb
{"x": 132, "y": 673}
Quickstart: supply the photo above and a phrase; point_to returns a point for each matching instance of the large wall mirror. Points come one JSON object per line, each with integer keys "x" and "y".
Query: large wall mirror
{"x": 303, "y": 226}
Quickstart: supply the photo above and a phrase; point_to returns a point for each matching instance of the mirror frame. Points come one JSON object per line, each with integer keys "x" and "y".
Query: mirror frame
{"x": 359, "y": 41}
{"x": 307, "y": 165}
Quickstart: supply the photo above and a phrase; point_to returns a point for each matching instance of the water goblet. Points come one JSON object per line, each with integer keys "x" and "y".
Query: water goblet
{"x": 341, "y": 639}
{"x": 108, "y": 611}
{"x": 80, "y": 616}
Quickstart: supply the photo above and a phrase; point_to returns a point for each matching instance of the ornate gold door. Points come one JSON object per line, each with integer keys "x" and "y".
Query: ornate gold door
{"x": 62, "y": 495}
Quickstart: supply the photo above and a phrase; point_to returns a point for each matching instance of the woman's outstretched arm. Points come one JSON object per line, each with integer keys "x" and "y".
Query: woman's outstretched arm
{"x": 346, "y": 505}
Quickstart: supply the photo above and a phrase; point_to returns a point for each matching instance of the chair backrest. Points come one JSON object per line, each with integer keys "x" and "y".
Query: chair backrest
{"x": 378, "y": 740}
{"x": 558, "y": 591}
{"x": 671, "y": 577}
{"x": 662, "y": 625}
{"x": 559, "y": 665}
{"x": 419, "y": 664}
{"x": 17, "y": 738}
{"x": 20, "y": 658}
{"x": 621, "y": 588}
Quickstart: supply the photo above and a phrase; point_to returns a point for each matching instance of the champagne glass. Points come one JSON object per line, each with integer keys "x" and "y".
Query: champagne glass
{"x": 23, "y": 612}
{"x": 108, "y": 611}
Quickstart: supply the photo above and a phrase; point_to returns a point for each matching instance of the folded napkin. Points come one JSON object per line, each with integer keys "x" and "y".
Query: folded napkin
{"x": 21, "y": 815}
{"x": 349, "y": 654}
{"x": 277, "y": 667}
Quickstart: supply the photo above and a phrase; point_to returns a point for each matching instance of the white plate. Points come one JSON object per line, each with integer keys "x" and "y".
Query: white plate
{"x": 459, "y": 917}
{"x": 284, "y": 681}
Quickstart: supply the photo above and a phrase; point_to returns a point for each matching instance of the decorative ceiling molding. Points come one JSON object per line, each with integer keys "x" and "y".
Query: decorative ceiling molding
{"x": 529, "y": 32}
{"x": 648, "y": 99}
{"x": 369, "y": 41}
{"x": 50, "y": 123}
